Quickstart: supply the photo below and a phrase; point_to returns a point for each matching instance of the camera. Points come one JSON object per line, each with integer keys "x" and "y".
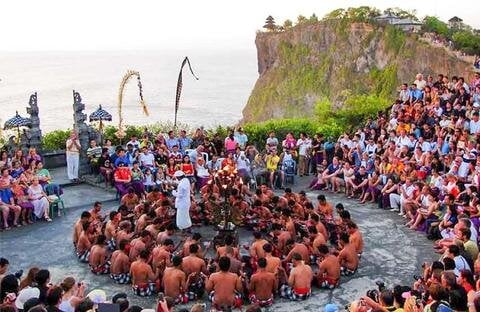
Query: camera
{"x": 18, "y": 274}
{"x": 374, "y": 294}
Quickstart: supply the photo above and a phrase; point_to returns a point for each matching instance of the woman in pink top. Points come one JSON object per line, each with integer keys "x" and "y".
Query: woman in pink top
{"x": 289, "y": 142}
{"x": 230, "y": 143}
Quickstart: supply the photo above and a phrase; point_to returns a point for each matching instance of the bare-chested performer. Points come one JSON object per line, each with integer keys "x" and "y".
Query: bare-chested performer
{"x": 143, "y": 277}
{"x": 299, "y": 285}
{"x": 139, "y": 244}
{"x": 175, "y": 281}
{"x": 124, "y": 232}
{"x": 78, "y": 227}
{"x": 224, "y": 287}
{"x": 111, "y": 229}
{"x": 348, "y": 256}
{"x": 193, "y": 240}
{"x": 263, "y": 285}
{"x": 120, "y": 268}
{"x": 195, "y": 269}
{"x": 84, "y": 242}
{"x": 161, "y": 255}
{"x": 356, "y": 238}
{"x": 98, "y": 259}
{"x": 273, "y": 263}
{"x": 166, "y": 234}
{"x": 328, "y": 275}
{"x": 256, "y": 249}
{"x": 229, "y": 242}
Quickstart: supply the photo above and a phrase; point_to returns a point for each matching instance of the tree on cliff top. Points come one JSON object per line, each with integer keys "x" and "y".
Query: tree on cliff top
{"x": 402, "y": 13}
{"x": 287, "y": 24}
{"x": 433, "y": 24}
{"x": 270, "y": 24}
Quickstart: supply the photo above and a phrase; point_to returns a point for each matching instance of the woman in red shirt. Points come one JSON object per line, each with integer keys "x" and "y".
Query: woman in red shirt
{"x": 187, "y": 167}
{"x": 171, "y": 167}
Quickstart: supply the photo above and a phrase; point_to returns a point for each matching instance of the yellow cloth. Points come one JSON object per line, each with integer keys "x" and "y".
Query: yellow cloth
{"x": 272, "y": 162}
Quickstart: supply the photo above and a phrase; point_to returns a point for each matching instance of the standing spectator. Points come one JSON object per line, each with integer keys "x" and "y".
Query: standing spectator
{"x": 241, "y": 138}
{"x": 184, "y": 141}
{"x": 73, "y": 156}
{"x": 134, "y": 142}
{"x": 272, "y": 142}
{"x": 230, "y": 143}
{"x": 304, "y": 144}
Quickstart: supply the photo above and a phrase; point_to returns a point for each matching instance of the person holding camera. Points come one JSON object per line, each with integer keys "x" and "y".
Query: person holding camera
{"x": 73, "y": 294}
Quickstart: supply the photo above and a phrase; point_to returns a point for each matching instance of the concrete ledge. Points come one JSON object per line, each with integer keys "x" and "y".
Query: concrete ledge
{"x": 54, "y": 159}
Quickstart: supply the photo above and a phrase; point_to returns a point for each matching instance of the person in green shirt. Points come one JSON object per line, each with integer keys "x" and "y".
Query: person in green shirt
{"x": 471, "y": 247}
{"x": 43, "y": 174}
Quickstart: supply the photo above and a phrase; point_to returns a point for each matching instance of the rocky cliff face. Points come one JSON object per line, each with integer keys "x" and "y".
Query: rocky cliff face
{"x": 337, "y": 59}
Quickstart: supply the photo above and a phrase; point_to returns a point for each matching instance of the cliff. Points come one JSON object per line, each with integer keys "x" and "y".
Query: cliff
{"x": 335, "y": 59}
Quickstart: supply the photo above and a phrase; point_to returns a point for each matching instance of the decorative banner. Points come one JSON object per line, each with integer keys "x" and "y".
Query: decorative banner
{"x": 180, "y": 85}
{"x": 120, "y": 133}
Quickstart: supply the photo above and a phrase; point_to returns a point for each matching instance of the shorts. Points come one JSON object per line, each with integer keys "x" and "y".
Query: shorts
{"x": 261, "y": 303}
{"x": 327, "y": 283}
{"x": 144, "y": 290}
{"x": 83, "y": 257}
{"x": 288, "y": 292}
{"x": 122, "y": 278}
{"x": 111, "y": 245}
{"x": 347, "y": 272}
{"x": 101, "y": 269}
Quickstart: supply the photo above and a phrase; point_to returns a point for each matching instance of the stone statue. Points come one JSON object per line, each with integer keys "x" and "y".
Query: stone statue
{"x": 85, "y": 132}
{"x": 34, "y": 134}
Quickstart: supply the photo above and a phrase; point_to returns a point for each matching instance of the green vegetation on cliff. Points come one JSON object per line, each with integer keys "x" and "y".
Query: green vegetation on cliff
{"x": 347, "y": 57}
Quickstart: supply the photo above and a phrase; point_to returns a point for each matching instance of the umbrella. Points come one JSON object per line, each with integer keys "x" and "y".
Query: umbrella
{"x": 100, "y": 115}
{"x": 16, "y": 122}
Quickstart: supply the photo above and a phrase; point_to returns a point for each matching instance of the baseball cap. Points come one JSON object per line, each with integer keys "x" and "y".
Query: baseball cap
{"x": 330, "y": 308}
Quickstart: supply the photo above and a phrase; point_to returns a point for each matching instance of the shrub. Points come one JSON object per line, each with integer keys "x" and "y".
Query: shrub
{"x": 55, "y": 140}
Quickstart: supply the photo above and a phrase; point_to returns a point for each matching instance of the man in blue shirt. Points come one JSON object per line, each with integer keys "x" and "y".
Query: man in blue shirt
{"x": 122, "y": 158}
{"x": 415, "y": 94}
{"x": 184, "y": 142}
{"x": 171, "y": 140}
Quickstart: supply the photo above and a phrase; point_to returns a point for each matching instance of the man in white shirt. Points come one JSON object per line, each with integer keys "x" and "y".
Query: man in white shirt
{"x": 420, "y": 82}
{"x": 303, "y": 145}
{"x": 403, "y": 139}
{"x": 73, "y": 156}
{"x": 474, "y": 124}
{"x": 398, "y": 200}
{"x": 371, "y": 148}
{"x": 134, "y": 141}
{"x": 146, "y": 158}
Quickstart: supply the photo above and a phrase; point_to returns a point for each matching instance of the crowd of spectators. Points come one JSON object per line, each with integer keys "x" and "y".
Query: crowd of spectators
{"x": 26, "y": 189}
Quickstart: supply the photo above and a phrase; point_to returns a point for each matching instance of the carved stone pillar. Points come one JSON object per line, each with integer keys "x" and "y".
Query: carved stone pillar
{"x": 34, "y": 133}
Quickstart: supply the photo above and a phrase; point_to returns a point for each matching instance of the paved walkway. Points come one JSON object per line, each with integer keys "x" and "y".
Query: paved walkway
{"x": 392, "y": 252}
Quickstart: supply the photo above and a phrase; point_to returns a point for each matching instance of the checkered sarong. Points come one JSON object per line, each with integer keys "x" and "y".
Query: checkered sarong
{"x": 144, "y": 290}
{"x": 101, "y": 269}
{"x": 111, "y": 244}
{"x": 83, "y": 257}
{"x": 262, "y": 303}
{"x": 347, "y": 272}
{"x": 122, "y": 278}
{"x": 287, "y": 292}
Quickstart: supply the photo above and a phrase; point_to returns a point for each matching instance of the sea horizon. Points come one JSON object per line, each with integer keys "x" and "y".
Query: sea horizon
{"x": 226, "y": 78}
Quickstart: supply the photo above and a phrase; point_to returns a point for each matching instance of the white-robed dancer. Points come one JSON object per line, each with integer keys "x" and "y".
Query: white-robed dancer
{"x": 182, "y": 201}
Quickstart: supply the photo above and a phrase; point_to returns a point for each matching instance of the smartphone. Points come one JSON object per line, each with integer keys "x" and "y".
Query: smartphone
{"x": 160, "y": 296}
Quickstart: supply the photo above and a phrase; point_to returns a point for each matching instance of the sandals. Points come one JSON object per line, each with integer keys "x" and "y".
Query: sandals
{"x": 48, "y": 219}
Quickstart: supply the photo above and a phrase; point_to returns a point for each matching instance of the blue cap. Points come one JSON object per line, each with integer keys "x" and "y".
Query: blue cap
{"x": 330, "y": 308}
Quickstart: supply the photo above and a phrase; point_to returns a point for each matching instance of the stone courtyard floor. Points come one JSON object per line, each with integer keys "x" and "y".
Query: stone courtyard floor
{"x": 392, "y": 252}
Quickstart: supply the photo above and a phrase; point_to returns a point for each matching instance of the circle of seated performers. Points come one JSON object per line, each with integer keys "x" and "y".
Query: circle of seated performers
{"x": 296, "y": 245}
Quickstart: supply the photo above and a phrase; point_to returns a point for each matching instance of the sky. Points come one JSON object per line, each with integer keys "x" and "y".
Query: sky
{"x": 57, "y": 25}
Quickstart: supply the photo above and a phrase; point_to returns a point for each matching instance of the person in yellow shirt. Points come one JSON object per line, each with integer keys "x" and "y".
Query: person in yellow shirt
{"x": 272, "y": 161}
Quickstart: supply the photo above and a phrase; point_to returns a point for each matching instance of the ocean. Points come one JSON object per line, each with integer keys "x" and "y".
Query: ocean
{"x": 226, "y": 79}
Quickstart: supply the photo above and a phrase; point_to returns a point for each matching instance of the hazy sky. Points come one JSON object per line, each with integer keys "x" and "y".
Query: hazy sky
{"x": 28, "y": 25}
